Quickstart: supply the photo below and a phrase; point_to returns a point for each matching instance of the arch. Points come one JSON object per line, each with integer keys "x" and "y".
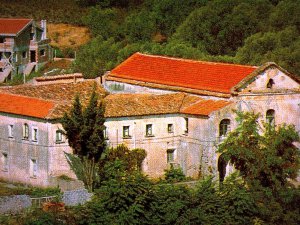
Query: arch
{"x": 224, "y": 127}
{"x": 270, "y": 117}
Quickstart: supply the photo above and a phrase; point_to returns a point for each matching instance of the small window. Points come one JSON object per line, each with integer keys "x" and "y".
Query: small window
{"x": 1, "y": 55}
{"x": 1, "y": 69}
{"x": 270, "y": 117}
{"x": 224, "y": 127}
{"x": 105, "y": 133}
{"x": 1, "y": 39}
{"x": 126, "y": 132}
{"x": 186, "y": 131}
{"x": 42, "y": 52}
{"x": 270, "y": 83}
{"x": 33, "y": 168}
{"x": 170, "y": 155}
{"x": 149, "y": 130}
{"x": 170, "y": 128}
{"x": 34, "y": 134}
{"x": 25, "y": 131}
{"x": 59, "y": 136}
{"x": 24, "y": 55}
{"x": 4, "y": 161}
{"x": 10, "y": 130}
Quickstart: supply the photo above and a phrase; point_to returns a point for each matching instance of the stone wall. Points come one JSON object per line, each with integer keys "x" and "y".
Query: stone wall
{"x": 14, "y": 204}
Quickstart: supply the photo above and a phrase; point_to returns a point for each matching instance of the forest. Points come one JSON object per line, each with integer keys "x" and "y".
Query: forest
{"x": 235, "y": 31}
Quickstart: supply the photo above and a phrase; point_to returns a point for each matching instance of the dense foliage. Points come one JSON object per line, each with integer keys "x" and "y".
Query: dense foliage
{"x": 239, "y": 31}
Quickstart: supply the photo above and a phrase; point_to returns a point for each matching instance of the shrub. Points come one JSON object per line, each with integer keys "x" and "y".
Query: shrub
{"x": 174, "y": 174}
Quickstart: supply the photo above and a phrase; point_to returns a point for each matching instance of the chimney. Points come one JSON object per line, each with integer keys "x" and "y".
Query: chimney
{"x": 44, "y": 27}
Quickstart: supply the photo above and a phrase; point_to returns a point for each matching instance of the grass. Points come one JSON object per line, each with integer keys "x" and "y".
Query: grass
{"x": 18, "y": 189}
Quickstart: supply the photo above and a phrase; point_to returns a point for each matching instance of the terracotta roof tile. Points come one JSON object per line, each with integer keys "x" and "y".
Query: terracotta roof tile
{"x": 62, "y": 94}
{"x": 26, "y": 106}
{"x": 200, "y": 75}
{"x": 10, "y": 26}
{"x": 123, "y": 105}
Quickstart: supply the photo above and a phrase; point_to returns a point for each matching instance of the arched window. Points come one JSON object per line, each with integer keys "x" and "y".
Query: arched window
{"x": 25, "y": 131}
{"x": 270, "y": 117}
{"x": 224, "y": 127}
{"x": 270, "y": 83}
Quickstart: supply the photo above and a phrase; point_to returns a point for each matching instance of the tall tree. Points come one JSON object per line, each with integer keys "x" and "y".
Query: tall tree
{"x": 84, "y": 129}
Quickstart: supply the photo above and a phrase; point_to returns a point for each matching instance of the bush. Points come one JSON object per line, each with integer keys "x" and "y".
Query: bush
{"x": 174, "y": 174}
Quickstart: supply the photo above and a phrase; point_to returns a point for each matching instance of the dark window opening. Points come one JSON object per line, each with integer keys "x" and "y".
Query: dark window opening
{"x": 42, "y": 52}
{"x": 270, "y": 117}
{"x": 170, "y": 155}
{"x": 186, "y": 125}
{"x": 24, "y": 55}
{"x": 126, "y": 132}
{"x": 170, "y": 128}
{"x": 270, "y": 84}
{"x": 224, "y": 127}
{"x": 1, "y": 39}
{"x": 149, "y": 130}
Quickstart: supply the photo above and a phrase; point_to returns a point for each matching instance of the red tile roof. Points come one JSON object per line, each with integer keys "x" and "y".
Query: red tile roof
{"x": 10, "y": 26}
{"x": 209, "y": 76}
{"x": 21, "y": 105}
{"x": 126, "y": 105}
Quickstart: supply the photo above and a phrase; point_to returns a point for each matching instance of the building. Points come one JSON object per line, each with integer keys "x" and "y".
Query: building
{"x": 24, "y": 47}
{"x": 269, "y": 90}
{"x": 32, "y": 143}
{"x": 177, "y": 110}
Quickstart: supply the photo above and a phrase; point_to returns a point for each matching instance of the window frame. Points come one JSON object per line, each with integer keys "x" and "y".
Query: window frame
{"x": 4, "y": 161}
{"x": 186, "y": 122}
{"x": 224, "y": 127}
{"x": 126, "y": 132}
{"x": 149, "y": 130}
{"x": 170, "y": 128}
{"x": 171, "y": 152}
{"x": 24, "y": 57}
{"x": 59, "y": 133}
{"x": 42, "y": 52}
{"x": 270, "y": 117}
{"x": 25, "y": 131}
{"x": 33, "y": 168}
{"x": 34, "y": 134}
{"x": 10, "y": 130}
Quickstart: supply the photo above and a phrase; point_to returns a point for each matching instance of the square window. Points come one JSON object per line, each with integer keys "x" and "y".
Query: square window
{"x": 34, "y": 134}
{"x": 126, "y": 132}
{"x": 170, "y": 155}
{"x": 149, "y": 130}
{"x": 170, "y": 128}
{"x": 4, "y": 161}
{"x": 33, "y": 168}
{"x": 25, "y": 131}
{"x": 10, "y": 130}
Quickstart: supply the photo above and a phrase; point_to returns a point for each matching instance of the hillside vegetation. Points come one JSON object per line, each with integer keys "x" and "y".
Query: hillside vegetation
{"x": 236, "y": 31}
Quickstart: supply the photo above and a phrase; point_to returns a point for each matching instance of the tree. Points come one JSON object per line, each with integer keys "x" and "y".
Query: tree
{"x": 266, "y": 157}
{"x": 84, "y": 130}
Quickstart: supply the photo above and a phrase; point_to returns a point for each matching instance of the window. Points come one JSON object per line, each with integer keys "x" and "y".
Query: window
{"x": 1, "y": 39}
{"x": 224, "y": 127}
{"x": 4, "y": 161}
{"x": 24, "y": 55}
{"x": 42, "y": 52}
{"x": 105, "y": 134}
{"x": 170, "y": 155}
{"x": 270, "y": 83}
{"x": 34, "y": 134}
{"x": 170, "y": 128}
{"x": 126, "y": 132}
{"x": 10, "y": 130}
{"x": 186, "y": 125}
{"x": 31, "y": 36}
{"x": 33, "y": 168}
{"x": 149, "y": 130}
{"x": 270, "y": 117}
{"x": 25, "y": 131}
{"x": 58, "y": 136}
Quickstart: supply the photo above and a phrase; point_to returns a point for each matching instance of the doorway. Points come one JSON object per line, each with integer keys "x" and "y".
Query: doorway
{"x": 32, "y": 56}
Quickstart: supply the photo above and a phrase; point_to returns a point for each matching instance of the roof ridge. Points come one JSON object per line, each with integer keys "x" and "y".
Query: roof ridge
{"x": 192, "y": 60}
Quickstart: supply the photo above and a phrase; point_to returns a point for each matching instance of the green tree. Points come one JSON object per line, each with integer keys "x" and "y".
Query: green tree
{"x": 282, "y": 47}
{"x": 84, "y": 130}
{"x": 266, "y": 158}
{"x": 97, "y": 57}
